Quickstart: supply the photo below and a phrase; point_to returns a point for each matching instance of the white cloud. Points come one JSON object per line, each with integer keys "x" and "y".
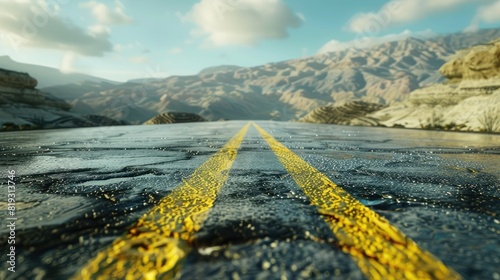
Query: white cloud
{"x": 139, "y": 59}
{"x": 397, "y": 12}
{"x": 38, "y": 25}
{"x": 67, "y": 62}
{"x": 368, "y": 42}
{"x": 106, "y": 15}
{"x": 472, "y": 27}
{"x": 334, "y": 45}
{"x": 487, "y": 14}
{"x": 99, "y": 30}
{"x": 175, "y": 51}
{"x": 490, "y": 13}
{"x": 242, "y": 22}
{"x": 118, "y": 47}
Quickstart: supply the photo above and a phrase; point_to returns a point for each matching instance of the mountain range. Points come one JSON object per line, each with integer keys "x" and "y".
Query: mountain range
{"x": 287, "y": 90}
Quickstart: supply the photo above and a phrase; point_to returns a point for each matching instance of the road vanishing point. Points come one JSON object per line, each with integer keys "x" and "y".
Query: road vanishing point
{"x": 256, "y": 200}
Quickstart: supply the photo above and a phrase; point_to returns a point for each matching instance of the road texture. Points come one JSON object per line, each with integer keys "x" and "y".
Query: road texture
{"x": 231, "y": 200}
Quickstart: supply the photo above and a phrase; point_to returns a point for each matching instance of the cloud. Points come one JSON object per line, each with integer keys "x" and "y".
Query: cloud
{"x": 67, "y": 62}
{"x": 99, "y": 30}
{"x": 118, "y": 47}
{"x": 38, "y": 25}
{"x": 368, "y": 42}
{"x": 175, "y": 51}
{"x": 485, "y": 14}
{"x": 397, "y": 12}
{"x": 139, "y": 59}
{"x": 107, "y": 16}
{"x": 242, "y": 22}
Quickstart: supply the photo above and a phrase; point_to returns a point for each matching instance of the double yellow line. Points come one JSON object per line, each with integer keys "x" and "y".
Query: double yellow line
{"x": 156, "y": 246}
{"x": 380, "y": 249}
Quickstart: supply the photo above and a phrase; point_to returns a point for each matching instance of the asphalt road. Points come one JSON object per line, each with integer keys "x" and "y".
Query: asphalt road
{"x": 77, "y": 190}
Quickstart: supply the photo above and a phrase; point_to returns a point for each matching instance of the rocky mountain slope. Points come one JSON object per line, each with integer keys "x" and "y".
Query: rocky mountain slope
{"x": 469, "y": 100}
{"x": 287, "y": 90}
{"x": 22, "y": 106}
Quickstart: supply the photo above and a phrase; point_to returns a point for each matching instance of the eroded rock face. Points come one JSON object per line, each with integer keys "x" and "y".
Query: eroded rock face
{"x": 31, "y": 97}
{"x": 479, "y": 62}
{"x": 468, "y": 101}
{"x": 18, "y": 87}
{"x": 23, "y": 107}
{"x": 439, "y": 94}
{"x": 453, "y": 69}
{"x": 175, "y": 117}
{"x": 13, "y": 79}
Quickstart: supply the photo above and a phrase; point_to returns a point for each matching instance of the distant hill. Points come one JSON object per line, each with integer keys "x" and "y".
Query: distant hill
{"x": 287, "y": 90}
{"x": 72, "y": 91}
{"x": 47, "y": 76}
{"x": 143, "y": 80}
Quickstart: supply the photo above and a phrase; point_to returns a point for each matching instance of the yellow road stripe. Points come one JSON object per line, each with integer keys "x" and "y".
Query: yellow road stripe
{"x": 156, "y": 245}
{"x": 380, "y": 249}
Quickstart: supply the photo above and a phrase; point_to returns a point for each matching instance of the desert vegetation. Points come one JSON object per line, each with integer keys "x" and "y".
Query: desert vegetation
{"x": 490, "y": 120}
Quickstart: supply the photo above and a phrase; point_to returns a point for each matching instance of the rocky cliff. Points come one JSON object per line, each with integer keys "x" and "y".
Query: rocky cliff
{"x": 14, "y": 79}
{"x": 481, "y": 62}
{"x": 17, "y": 87}
{"x": 22, "y": 106}
{"x": 467, "y": 101}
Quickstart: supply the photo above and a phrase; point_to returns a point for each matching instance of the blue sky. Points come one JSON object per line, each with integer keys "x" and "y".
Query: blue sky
{"x": 126, "y": 39}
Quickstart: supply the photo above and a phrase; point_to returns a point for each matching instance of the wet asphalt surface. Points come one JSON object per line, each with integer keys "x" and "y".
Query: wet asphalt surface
{"x": 78, "y": 189}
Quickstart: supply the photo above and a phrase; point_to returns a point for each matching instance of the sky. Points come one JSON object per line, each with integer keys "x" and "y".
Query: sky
{"x": 127, "y": 39}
